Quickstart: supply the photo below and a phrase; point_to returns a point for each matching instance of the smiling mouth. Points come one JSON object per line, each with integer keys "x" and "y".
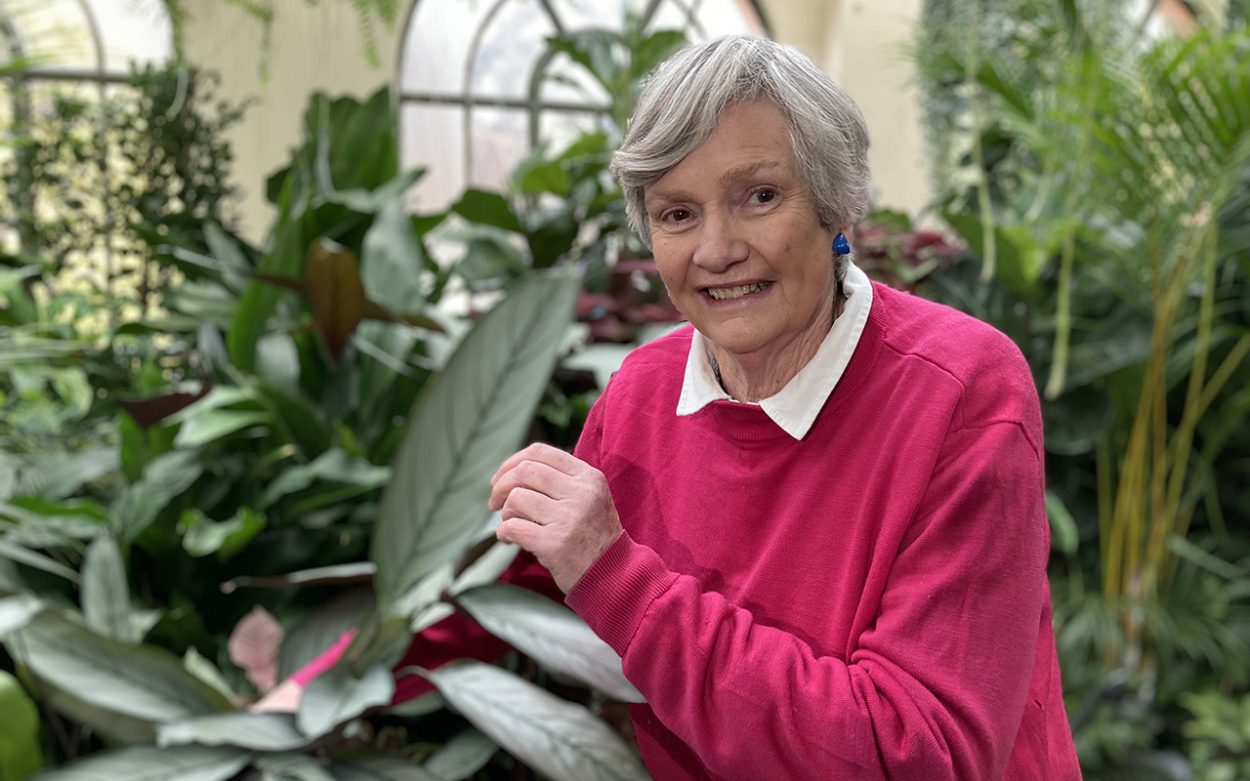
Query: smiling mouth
{"x": 729, "y": 293}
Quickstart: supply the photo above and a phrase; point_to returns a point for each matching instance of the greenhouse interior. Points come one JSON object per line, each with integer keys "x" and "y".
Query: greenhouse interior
{"x": 284, "y": 285}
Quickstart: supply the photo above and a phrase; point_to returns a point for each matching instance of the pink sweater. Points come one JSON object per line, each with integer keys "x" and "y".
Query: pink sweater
{"x": 868, "y": 603}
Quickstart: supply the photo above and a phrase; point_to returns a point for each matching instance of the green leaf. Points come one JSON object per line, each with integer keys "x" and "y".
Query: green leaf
{"x": 393, "y": 260}
{"x": 11, "y": 550}
{"x": 228, "y": 259}
{"x": 110, "y": 724}
{"x": 205, "y": 427}
{"x": 380, "y": 768}
{"x": 337, "y": 696}
{"x": 542, "y": 176}
{"x": 336, "y": 465}
{"x": 278, "y": 363}
{"x": 255, "y": 731}
{"x": 57, "y": 475}
{"x": 336, "y": 573}
{"x": 486, "y": 568}
{"x": 105, "y": 591}
{"x": 143, "y": 682}
{"x": 17, "y": 611}
{"x": 551, "y": 236}
{"x": 1063, "y": 529}
{"x": 10, "y": 582}
{"x": 165, "y": 477}
{"x": 202, "y": 536}
{"x": 372, "y": 201}
{"x": 207, "y": 672}
{"x": 656, "y": 48}
{"x": 299, "y": 418}
{"x": 550, "y": 634}
{"x": 490, "y": 258}
{"x": 487, "y": 208}
{"x": 144, "y": 763}
{"x": 293, "y": 767}
{"x": 467, "y": 420}
{"x": 387, "y": 348}
{"x": 563, "y": 741}
{"x": 20, "y": 753}
{"x": 462, "y": 756}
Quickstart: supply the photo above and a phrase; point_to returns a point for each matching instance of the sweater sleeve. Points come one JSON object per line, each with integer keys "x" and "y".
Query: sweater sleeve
{"x": 934, "y": 689}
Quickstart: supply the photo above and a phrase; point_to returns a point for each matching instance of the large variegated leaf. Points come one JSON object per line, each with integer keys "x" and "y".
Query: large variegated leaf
{"x": 462, "y": 756}
{"x": 550, "y": 634}
{"x": 10, "y": 582}
{"x": 105, "y": 593}
{"x": 380, "y": 768}
{"x": 256, "y": 731}
{"x": 561, "y": 740}
{"x": 293, "y": 767}
{"x": 16, "y": 611}
{"x": 140, "y": 681}
{"x": 144, "y": 763}
{"x": 337, "y": 696}
{"x": 110, "y": 725}
{"x": 164, "y": 478}
{"x": 12, "y": 550}
{"x": 467, "y": 420}
{"x": 487, "y": 568}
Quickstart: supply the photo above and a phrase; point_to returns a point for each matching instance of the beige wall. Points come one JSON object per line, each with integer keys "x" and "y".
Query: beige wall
{"x": 861, "y": 43}
{"x": 317, "y": 47}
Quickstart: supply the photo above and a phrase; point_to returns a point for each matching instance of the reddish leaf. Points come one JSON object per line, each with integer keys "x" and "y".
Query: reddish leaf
{"x": 254, "y": 646}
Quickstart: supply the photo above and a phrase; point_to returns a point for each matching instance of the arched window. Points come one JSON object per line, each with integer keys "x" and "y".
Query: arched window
{"x": 61, "y": 63}
{"x": 479, "y": 88}
{"x": 84, "y": 40}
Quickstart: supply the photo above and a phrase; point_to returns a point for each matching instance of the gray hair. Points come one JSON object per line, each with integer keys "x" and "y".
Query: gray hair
{"x": 683, "y": 99}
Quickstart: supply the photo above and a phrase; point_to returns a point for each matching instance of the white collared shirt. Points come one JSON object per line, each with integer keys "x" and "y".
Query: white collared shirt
{"x": 794, "y": 407}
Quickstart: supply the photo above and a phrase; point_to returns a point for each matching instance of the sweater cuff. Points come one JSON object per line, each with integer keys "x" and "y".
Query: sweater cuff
{"x": 615, "y": 593}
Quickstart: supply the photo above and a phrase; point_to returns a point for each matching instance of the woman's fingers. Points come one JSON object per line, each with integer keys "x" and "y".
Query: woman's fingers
{"x": 544, "y": 454}
{"x": 534, "y": 475}
{"x": 529, "y": 505}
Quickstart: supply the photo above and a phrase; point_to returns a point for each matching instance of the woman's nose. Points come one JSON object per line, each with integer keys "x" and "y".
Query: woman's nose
{"x": 719, "y": 245}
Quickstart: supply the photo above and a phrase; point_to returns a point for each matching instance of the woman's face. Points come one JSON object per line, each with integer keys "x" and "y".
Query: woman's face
{"x": 737, "y": 240}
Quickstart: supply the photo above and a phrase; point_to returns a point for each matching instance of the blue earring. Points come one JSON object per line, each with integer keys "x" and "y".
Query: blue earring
{"x": 841, "y": 246}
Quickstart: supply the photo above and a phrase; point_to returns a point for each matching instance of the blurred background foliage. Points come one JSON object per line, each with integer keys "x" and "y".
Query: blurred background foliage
{"x": 218, "y": 456}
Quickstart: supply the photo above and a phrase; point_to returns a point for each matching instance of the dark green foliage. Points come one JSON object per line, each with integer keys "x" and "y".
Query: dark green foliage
{"x": 1099, "y": 180}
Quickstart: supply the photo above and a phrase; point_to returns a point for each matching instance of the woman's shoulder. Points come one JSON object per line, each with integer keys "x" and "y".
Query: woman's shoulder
{"x": 984, "y": 368}
{"x": 942, "y": 335}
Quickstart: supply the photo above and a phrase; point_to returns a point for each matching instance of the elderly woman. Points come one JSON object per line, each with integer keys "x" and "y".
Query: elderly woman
{"x": 812, "y": 522}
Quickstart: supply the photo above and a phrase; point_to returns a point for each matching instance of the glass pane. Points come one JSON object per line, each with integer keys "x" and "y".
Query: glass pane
{"x": 53, "y": 33}
{"x": 728, "y": 17}
{"x": 433, "y": 136}
{"x": 511, "y": 43}
{"x": 500, "y": 138}
{"x": 675, "y": 15}
{"x": 439, "y": 35}
{"x": 568, "y": 82}
{"x": 558, "y": 129}
{"x": 58, "y": 34}
{"x": 584, "y": 14}
{"x": 133, "y": 31}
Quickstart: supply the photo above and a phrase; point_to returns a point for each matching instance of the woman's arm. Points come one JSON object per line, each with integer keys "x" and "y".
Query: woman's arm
{"x": 935, "y": 689}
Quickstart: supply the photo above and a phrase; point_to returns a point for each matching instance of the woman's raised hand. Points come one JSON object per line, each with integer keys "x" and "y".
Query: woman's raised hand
{"x": 557, "y": 507}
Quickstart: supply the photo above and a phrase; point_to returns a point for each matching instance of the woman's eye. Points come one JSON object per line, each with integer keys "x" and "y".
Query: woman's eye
{"x": 676, "y": 215}
{"x": 764, "y": 195}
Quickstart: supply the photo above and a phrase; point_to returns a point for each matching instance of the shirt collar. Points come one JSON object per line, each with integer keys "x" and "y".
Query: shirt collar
{"x": 795, "y": 406}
